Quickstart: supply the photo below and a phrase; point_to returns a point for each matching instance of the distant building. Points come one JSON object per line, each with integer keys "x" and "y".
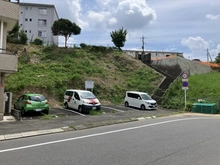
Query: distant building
{"x": 36, "y": 20}
{"x": 154, "y": 54}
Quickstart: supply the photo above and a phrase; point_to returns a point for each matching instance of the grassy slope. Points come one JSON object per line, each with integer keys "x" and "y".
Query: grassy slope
{"x": 51, "y": 70}
{"x": 201, "y": 86}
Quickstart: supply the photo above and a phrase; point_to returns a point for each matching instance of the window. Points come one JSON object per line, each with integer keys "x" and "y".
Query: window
{"x": 76, "y": 95}
{"x": 42, "y": 11}
{"x": 42, "y": 34}
{"x": 42, "y": 22}
{"x": 26, "y": 8}
{"x": 26, "y": 19}
{"x": 30, "y": 19}
{"x": 25, "y": 31}
{"x": 133, "y": 95}
{"x": 29, "y": 31}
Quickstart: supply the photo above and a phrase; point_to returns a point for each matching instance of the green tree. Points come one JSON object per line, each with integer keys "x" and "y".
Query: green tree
{"x": 119, "y": 37}
{"x": 22, "y": 37}
{"x": 12, "y": 36}
{"x": 66, "y": 28}
{"x": 217, "y": 59}
{"x": 17, "y": 37}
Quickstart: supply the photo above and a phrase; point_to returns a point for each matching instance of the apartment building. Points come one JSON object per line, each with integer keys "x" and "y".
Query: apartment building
{"x": 36, "y": 20}
{"x": 9, "y": 15}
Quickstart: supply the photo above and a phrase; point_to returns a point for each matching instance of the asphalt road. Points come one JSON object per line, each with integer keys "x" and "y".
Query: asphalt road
{"x": 61, "y": 117}
{"x": 174, "y": 140}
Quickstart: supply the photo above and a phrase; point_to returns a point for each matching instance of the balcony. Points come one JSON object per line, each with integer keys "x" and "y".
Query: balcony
{"x": 8, "y": 61}
{"x": 9, "y": 13}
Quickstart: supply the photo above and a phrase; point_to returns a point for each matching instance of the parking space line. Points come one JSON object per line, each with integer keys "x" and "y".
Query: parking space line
{"x": 126, "y": 107}
{"x": 113, "y": 108}
{"x": 73, "y": 111}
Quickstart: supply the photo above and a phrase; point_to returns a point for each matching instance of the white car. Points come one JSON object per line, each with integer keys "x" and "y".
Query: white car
{"x": 139, "y": 100}
{"x": 81, "y": 100}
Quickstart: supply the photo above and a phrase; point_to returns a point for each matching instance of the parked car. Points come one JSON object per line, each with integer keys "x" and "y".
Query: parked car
{"x": 139, "y": 100}
{"x": 81, "y": 100}
{"x": 32, "y": 103}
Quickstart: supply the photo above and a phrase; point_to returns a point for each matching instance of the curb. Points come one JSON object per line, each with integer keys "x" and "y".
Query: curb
{"x": 63, "y": 129}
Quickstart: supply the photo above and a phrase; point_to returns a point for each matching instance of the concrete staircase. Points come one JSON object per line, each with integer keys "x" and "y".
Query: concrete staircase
{"x": 165, "y": 84}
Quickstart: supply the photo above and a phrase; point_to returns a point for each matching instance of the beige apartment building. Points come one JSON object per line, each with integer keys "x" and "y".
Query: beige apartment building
{"x": 9, "y": 16}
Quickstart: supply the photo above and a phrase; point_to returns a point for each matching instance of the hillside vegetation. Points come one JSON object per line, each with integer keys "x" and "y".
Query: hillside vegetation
{"x": 201, "y": 86}
{"x": 52, "y": 70}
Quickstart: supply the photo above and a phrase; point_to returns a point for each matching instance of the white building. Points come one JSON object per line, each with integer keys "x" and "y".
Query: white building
{"x": 36, "y": 20}
{"x": 154, "y": 54}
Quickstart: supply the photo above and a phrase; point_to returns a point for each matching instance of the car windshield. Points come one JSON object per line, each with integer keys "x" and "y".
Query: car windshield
{"x": 37, "y": 98}
{"x": 87, "y": 95}
{"x": 146, "y": 97}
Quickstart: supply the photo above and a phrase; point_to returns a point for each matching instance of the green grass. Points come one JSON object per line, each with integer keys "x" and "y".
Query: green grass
{"x": 95, "y": 112}
{"x": 201, "y": 86}
{"x": 52, "y": 70}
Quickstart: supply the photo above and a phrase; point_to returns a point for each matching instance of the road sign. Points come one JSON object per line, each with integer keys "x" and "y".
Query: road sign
{"x": 185, "y": 85}
{"x": 184, "y": 75}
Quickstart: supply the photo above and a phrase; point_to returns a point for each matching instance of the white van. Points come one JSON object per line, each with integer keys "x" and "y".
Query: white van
{"x": 81, "y": 100}
{"x": 139, "y": 100}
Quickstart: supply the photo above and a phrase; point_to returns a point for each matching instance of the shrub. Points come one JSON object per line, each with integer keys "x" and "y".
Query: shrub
{"x": 37, "y": 41}
{"x": 82, "y": 45}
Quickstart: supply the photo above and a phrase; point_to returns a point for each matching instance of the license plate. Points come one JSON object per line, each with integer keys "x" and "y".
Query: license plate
{"x": 93, "y": 107}
{"x": 38, "y": 110}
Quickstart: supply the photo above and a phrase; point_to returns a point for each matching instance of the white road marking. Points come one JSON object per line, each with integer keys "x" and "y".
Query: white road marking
{"x": 97, "y": 134}
{"x": 73, "y": 111}
{"x": 113, "y": 108}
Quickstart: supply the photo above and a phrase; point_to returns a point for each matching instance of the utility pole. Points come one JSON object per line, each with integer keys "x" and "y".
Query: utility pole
{"x": 142, "y": 44}
{"x": 208, "y": 55}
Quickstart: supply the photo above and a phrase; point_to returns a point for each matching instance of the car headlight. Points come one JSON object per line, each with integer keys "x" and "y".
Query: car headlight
{"x": 85, "y": 101}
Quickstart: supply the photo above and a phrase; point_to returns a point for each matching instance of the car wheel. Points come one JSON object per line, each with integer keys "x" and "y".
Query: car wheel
{"x": 66, "y": 106}
{"x": 126, "y": 104}
{"x": 23, "y": 112}
{"x": 142, "y": 107}
{"x": 80, "y": 109}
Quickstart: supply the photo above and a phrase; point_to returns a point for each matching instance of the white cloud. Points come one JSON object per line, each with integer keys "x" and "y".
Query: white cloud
{"x": 200, "y": 49}
{"x": 130, "y": 14}
{"x": 212, "y": 17}
{"x": 197, "y": 46}
{"x": 75, "y": 9}
{"x": 195, "y": 43}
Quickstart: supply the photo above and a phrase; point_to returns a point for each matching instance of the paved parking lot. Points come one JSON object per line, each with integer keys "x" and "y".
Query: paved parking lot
{"x": 70, "y": 118}
{"x": 114, "y": 110}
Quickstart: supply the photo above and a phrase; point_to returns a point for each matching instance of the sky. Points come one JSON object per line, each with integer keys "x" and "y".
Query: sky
{"x": 188, "y": 26}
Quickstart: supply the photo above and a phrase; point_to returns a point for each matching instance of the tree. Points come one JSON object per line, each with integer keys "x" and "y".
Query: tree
{"x": 66, "y": 28}
{"x": 12, "y": 36}
{"x": 119, "y": 37}
{"x": 217, "y": 59}
{"x": 22, "y": 37}
{"x": 17, "y": 37}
